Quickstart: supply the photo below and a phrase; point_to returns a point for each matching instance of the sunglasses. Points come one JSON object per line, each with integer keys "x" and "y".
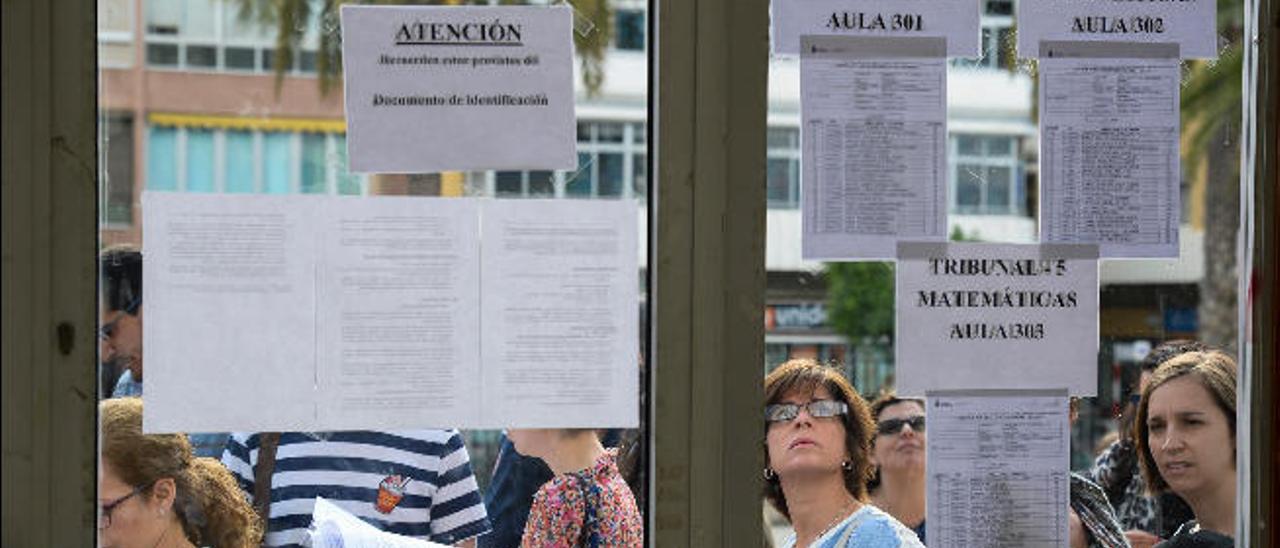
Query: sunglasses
{"x": 818, "y": 409}
{"x": 104, "y": 517}
{"x": 890, "y": 427}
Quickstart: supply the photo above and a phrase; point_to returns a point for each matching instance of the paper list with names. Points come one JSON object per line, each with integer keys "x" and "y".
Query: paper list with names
{"x": 1109, "y": 132}
{"x": 873, "y": 145}
{"x": 998, "y": 469}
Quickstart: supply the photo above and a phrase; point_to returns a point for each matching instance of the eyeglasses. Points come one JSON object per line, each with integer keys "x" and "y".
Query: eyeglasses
{"x": 890, "y": 427}
{"x": 108, "y": 329}
{"x": 104, "y": 517}
{"x": 818, "y": 409}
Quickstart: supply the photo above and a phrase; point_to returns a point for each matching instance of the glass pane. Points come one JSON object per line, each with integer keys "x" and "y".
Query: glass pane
{"x": 235, "y": 138}
{"x": 348, "y": 183}
{"x": 239, "y": 170}
{"x": 277, "y": 163}
{"x": 779, "y": 181}
{"x": 307, "y": 61}
{"x": 609, "y": 132}
{"x": 118, "y": 182}
{"x": 199, "y": 160}
{"x": 509, "y": 183}
{"x": 542, "y": 184}
{"x": 968, "y": 145}
{"x": 968, "y": 187}
{"x": 239, "y": 58}
{"x": 781, "y": 138}
{"x": 610, "y": 175}
{"x": 580, "y": 183}
{"x": 162, "y": 158}
{"x": 162, "y": 55}
{"x": 640, "y": 176}
{"x": 199, "y": 20}
{"x": 999, "y": 185}
{"x": 202, "y": 56}
{"x": 313, "y": 163}
{"x": 630, "y": 28}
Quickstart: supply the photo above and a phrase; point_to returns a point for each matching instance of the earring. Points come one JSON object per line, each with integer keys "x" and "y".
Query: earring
{"x": 847, "y": 465}
{"x": 769, "y": 474}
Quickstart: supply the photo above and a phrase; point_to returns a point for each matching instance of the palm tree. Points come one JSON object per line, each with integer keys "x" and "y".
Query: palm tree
{"x": 1211, "y": 103}
{"x": 290, "y": 20}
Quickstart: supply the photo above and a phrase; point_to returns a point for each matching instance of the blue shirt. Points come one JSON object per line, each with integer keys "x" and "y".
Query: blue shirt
{"x": 126, "y": 386}
{"x": 869, "y": 527}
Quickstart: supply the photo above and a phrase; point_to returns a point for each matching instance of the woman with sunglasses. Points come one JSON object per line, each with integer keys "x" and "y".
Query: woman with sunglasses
{"x": 154, "y": 493}
{"x": 1186, "y": 436}
{"x": 818, "y": 460}
{"x": 898, "y": 455}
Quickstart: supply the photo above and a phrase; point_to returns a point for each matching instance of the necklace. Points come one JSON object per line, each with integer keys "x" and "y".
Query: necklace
{"x": 843, "y": 513}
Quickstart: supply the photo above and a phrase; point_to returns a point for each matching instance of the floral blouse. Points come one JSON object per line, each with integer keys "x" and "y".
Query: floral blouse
{"x": 597, "y": 497}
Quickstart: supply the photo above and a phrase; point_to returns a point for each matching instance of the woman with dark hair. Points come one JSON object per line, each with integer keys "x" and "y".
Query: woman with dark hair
{"x": 1186, "y": 436}
{"x": 154, "y": 492}
{"x": 818, "y": 460}
{"x": 898, "y": 455}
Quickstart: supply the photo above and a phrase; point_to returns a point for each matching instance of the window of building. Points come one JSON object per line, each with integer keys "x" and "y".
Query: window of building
{"x": 997, "y": 37}
{"x": 215, "y": 35}
{"x": 985, "y": 175}
{"x": 117, "y": 159}
{"x": 243, "y": 161}
{"x": 783, "y": 177}
{"x": 630, "y": 29}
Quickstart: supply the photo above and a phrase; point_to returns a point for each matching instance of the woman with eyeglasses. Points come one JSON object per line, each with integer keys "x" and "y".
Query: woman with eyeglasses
{"x": 898, "y": 456}
{"x": 818, "y": 460}
{"x": 1186, "y": 436}
{"x": 153, "y": 492}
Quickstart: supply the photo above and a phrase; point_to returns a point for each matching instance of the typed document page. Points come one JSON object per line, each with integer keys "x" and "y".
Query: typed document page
{"x": 399, "y": 314}
{"x": 560, "y": 308}
{"x": 230, "y": 296}
{"x": 998, "y": 466}
{"x": 1109, "y": 153}
{"x": 873, "y": 145}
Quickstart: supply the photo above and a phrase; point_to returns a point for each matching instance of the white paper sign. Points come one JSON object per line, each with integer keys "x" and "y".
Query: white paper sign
{"x": 432, "y": 88}
{"x": 333, "y": 527}
{"x": 287, "y": 313}
{"x": 1189, "y": 23}
{"x": 1001, "y": 316}
{"x": 954, "y": 20}
{"x": 874, "y": 115}
{"x": 1001, "y": 460}
{"x": 560, "y": 314}
{"x": 1109, "y": 140}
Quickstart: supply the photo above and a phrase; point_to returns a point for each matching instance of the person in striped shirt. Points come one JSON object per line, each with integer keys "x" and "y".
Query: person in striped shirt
{"x": 415, "y": 483}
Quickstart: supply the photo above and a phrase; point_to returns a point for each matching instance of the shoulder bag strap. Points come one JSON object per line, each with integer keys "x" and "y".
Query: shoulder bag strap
{"x": 268, "y": 442}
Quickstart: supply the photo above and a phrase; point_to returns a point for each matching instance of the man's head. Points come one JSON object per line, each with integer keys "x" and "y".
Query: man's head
{"x": 1164, "y": 352}
{"x": 120, "y": 269}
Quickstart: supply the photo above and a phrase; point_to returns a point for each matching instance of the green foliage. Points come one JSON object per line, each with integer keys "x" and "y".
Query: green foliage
{"x": 860, "y": 298}
{"x": 1212, "y": 92}
{"x": 291, "y": 19}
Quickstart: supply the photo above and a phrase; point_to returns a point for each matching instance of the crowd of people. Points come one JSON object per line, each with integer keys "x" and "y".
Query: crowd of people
{"x": 842, "y": 471}
{"x": 845, "y": 473}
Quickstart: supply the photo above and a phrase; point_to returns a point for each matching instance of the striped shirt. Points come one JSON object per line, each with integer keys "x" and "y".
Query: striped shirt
{"x": 416, "y": 483}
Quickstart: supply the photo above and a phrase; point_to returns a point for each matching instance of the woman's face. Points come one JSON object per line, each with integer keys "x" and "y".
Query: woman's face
{"x": 806, "y": 445}
{"x": 1190, "y": 438}
{"x": 133, "y": 521}
{"x": 903, "y": 449}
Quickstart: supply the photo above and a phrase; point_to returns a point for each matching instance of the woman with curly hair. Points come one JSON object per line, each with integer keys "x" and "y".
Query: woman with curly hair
{"x": 818, "y": 438}
{"x": 153, "y": 492}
